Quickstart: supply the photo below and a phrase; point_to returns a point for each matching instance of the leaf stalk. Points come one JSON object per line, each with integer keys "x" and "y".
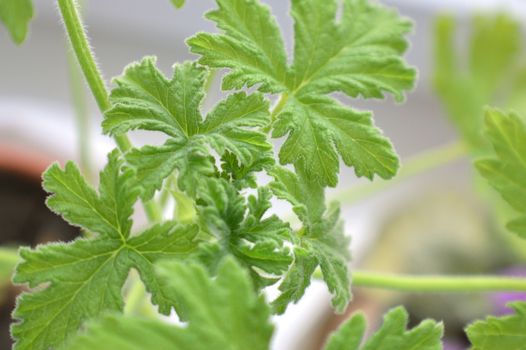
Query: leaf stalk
{"x": 86, "y": 59}
{"x": 438, "y": 284}
{"x": 425, "y": 161}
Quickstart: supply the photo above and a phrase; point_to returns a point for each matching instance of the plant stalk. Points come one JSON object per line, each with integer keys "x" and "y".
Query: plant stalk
{"x": 434, "y": 283}
{"x": 86, "y": 59}
{"x": 8, "y": 256}
{"x": 8, "y": 260}
{"x": 279, "y": 106}
{"x": 81, "y": 116}
{"x": 438, "y": 284}
{"x": 420, "y": 163}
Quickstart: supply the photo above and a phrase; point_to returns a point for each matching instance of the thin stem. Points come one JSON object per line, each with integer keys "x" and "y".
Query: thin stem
{"x": 137, "y": 299}
{"x": 81, "y": 116}
{"x": 79, "y": 42}
{"x": 420, "y": 163}
{"x": 8, "y": 260}
{"x": 86, "y": 59}
{"x": 279, "y": 106}
{"x": 284, "y": 97}
{"x": 8, "y": 256}
{"x": 438, "y": 284}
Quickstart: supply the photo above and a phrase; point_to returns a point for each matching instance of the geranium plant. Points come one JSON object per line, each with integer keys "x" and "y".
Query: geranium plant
{"x": 212, "y": 258}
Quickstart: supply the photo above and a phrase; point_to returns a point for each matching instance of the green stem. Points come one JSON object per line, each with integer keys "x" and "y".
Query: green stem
{"x": 438, "y": 284}
{"x": 81, "y": 116}
{"x": 8, "y": 260}
{"x": 420, "y": 163}
{"x": 8, "y": 256}
{"x": 279, "y": 106}
{"x": 137, "y": 299}
{"x": 79, "y": 43}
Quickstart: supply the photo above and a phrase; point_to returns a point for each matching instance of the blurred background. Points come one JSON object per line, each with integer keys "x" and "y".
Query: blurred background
{"x": 443, "y": 220}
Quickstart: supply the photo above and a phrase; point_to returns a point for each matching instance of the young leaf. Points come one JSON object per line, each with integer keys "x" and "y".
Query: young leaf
{"x": 466, "y": 87}
{"x": 359, "y": 56}
{"x": 238, "y": 224}
{"x": 496, "y": 333}
{"x": 16, "y": 15}
{"x": 78, "y": 281}
{"x": 145, "y": 99}
{"x": 320, "y": 243}
{"x": 222, "y": 313}
{"x": 507, "y": 171}
{"x": 392, "y": 335}
{"x": 252, "y": 46}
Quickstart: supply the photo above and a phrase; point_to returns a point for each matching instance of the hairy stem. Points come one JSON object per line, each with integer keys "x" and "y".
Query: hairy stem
{"x": 79, "y": 43}
{"x": 420, "y": 163}
{"x": 81, "y": 111}
{"x": 438, "y": 284}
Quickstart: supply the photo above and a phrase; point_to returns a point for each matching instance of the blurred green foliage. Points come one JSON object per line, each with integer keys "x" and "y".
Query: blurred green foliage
{"x": 489, "y": 71}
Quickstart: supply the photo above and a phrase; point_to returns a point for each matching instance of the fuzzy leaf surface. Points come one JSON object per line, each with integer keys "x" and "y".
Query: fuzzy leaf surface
{"x": 506, "y": 172}
{"x": 77, "y": 281}
{"x": 392, "y": 335}
{"x": 16, "y": 15}
{"x": 321, "y": 243}
{"x": 258, "y": 243}
{"x": 495, "y": 333}
{"x": 145, "y": 99}
{"x": 223, "y": 313}
{"x": 360, "y": 55}
{"x": 252, "y": 46}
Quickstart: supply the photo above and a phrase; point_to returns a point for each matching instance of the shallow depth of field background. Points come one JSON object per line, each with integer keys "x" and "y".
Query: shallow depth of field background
{"x": 416, "y": 226}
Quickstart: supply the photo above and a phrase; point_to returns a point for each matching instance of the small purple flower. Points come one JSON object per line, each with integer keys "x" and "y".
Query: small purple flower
{"x": 499, "y": 300}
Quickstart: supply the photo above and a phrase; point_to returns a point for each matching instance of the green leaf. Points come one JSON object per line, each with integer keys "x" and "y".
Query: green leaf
{"x": 121, "y": 332}
{"x": 392, "y": 335}
{"x": 107, "y": 213}
{"x": 507, "y": 171}
{"x": 153, "y": 164}
{"x": 16, "y": 15}
{"x": 496, "y": 333}
{"x": 243, "y": 176}
{"x": 258, "y": 243}
{"x": 467, "y": 81}
{"x": 252, "y": 46}
{"x": 319, "y": 129}
{"x": 349, "y": 335}
{"x": 178, "y": 3}
{"x": 321, "y": 242}
{"x": 77, "y": 281}
{"x": 222, "y": 313}
{"x": 145, "y": 99}
{"x": 359, "y": 55}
